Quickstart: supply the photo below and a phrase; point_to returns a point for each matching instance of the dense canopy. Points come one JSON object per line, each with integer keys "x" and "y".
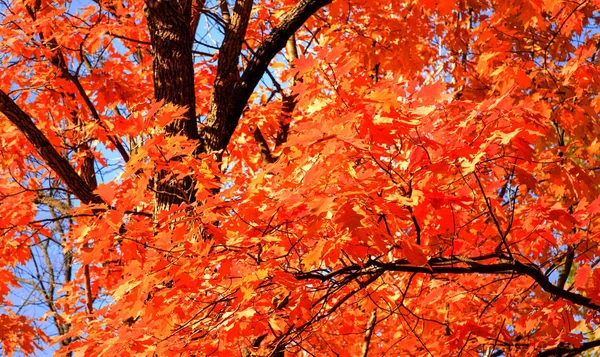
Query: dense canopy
{"x": 300, "y": 177}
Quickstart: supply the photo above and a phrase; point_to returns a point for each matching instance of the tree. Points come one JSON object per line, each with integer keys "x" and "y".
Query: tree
{"x": 312, "y": 177}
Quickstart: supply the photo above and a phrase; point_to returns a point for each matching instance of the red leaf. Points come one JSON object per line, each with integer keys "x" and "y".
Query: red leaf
{"x": 414, "y": 253}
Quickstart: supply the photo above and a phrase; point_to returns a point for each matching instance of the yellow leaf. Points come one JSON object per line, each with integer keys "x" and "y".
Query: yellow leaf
{"x": 469, "y": 166}
{"x": 314, "y": 255}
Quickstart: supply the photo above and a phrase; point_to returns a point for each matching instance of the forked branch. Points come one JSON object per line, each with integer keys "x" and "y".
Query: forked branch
{"x": 226, "y": 110}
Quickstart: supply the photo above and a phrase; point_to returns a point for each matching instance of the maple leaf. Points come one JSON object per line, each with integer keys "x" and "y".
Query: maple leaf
{"x": 414, "y": 253}
{"x": 582, "y": 276}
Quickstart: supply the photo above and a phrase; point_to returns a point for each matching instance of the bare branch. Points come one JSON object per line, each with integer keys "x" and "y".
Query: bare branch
{"x": 458, "y": 265}
{"x": 569, "y": 350}
{"x": 369, "y": 333}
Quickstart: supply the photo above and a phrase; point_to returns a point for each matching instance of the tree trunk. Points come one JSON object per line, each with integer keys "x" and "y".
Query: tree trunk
{"x": 169, "y": 22}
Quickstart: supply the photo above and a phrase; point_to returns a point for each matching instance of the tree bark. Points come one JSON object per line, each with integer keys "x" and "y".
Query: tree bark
{"x": 220, "y": 123}
{"x": 170, "y": 23}
{"x": 171, "y": 35}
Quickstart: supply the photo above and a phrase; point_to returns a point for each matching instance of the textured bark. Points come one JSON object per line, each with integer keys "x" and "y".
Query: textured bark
{"x": 59, "y": 205}
{"x": 55, "y": 160}
{"x": 170, "y": 23}
{"x": 224, "y": 11}
{"x": 219, "y": 126}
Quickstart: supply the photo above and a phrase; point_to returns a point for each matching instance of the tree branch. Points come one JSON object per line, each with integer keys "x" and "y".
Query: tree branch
{"x": 369, "y": 333}
{"x": 197, "y": 8}
{"x": 218, "y": 130}
{"x": 274, "y": 43}
{"x": 567, "y": 266}
{"x": 57, "y": 162}
{"x": 89, "y": 298}
{"x": 569, "y": 350}
{"x": 457, "y": 265}
{"x": 263, "y": 147}
{"x": 221, "y": 124}
{"x": 53, "y": 202}
{"x": 225, "y": 11}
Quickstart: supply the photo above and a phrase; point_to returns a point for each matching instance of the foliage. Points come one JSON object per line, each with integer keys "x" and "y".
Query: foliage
{"x": 315, "y": 178}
